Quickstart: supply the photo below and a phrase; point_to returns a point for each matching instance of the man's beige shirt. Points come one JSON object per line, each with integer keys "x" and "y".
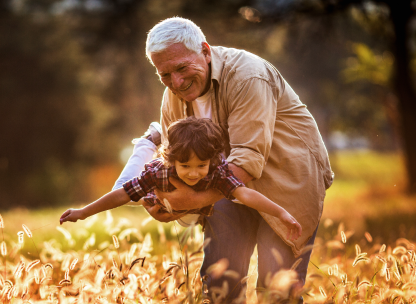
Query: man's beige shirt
{"x": 270, "y": 133}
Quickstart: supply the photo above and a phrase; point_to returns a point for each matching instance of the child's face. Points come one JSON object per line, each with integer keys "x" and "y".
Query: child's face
{"x": 192, "y": 171}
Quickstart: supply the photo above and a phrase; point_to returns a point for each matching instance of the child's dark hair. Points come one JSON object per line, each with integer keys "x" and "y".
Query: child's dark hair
{"x": 199, "y": 135}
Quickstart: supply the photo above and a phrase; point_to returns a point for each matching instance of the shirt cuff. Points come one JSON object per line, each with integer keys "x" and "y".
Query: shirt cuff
{"x": 250, "y": 160}
{"x": 134, "y": 190}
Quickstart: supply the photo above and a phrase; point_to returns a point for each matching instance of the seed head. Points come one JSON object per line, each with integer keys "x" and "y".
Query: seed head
{"x": 20, "y": 235}
{"x": 27, "y": 230}
{"x": 3, "y": 248}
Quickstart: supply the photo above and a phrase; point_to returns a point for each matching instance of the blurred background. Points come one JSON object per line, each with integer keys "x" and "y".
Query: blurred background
{"x": 76, "y": 87}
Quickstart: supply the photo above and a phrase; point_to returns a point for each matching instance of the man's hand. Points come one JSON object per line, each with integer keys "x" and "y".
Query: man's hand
{"x": 184, "y": 197}
{"x": 160, "y": 215}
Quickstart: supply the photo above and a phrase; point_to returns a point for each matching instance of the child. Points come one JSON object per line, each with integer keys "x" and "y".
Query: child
{"x": 193, "y": 155}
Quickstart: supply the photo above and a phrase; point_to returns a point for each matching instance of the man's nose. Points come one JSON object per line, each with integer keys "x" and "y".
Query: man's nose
{"x": 176, "y": 80}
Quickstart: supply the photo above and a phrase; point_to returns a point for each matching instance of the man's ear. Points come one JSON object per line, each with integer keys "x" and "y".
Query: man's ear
{"x": 206, "y": 50}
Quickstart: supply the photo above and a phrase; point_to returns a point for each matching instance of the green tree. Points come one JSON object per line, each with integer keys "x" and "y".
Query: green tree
{"x": 389, "y": 21}
{"x": 45, "y": 108}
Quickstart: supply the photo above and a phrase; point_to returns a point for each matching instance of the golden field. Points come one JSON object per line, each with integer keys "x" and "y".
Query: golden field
{"x": 364, "y": 252}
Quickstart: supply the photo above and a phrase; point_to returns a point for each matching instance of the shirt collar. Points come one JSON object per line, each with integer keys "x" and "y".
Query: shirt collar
{"x": 216, "y": 65}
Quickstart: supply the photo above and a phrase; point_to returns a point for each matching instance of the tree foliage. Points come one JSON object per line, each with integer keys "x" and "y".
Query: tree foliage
{"x": 76, "y": 86}
{"x": 388, "y": 24}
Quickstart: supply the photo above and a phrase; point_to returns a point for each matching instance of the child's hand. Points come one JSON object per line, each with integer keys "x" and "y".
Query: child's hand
{"x": 294, "y": 229}
{"x": 71, "y": 215}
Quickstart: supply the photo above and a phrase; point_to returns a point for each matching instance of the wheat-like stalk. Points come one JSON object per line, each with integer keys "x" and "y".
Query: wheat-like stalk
{"x": 343, "y": 237}
{"x": 368, "y": 236}
{"x": 380, "y": 273}
{"x": 27, "y": 230}
{"x": 357, "y": 249}
{"x": 3, "y": 248}
{"x": 167, "y": 205}
{"x": 322, "y": 291}
{"x": 20, "y": 236}
{"x": 31, "y": 265}
{"x": 19, "y": 269}
{"x": 115, "y": 242}
{"x": 399, "y": 250}
{"x": 296, "y": 264}
{"x": 74, "y": 262}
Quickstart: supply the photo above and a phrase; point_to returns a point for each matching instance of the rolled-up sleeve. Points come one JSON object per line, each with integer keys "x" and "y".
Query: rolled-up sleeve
{"x": 251, "y": 121}
{"x": 139, "y": 186}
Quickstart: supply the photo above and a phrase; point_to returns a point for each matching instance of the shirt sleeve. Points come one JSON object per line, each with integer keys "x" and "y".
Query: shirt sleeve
{"x": 251, "y": 121}
{"x": 226, "y": 182}
{"x": 139, "y": 186}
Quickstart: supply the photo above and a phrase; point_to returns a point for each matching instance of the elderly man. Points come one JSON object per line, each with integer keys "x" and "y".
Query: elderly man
{"x": 272, "y": 144}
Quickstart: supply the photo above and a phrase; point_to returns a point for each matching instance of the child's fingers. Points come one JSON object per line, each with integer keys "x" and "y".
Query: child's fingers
{"x": 66, "y": 219}
{"x": 63, "y": 220}
{"x": 65, "y": 213}
{"x": 299, "y": 227}
{"x": 294, "y": 231}
{"x": 293, "y": 235}
{"x": 70, "y": 215}
{"x": 64, "y": 216}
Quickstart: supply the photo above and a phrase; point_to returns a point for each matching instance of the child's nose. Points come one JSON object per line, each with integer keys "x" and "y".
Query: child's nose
{"x": 193, "y": 173}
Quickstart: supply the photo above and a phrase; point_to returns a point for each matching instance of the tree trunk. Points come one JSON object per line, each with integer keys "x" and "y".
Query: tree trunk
{"x": 401, "y": 13}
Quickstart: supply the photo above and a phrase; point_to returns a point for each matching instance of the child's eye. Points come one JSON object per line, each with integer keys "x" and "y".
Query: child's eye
{"x": 184, "y": 166}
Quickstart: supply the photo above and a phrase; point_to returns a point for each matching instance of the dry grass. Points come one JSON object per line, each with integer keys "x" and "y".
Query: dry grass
{"x": 369, "y": 184}
{"x": 373, "y": 273}
{"x": 110, "y": 258}
{"x": 124, "y": 268}
{"x": 121, "y": 269}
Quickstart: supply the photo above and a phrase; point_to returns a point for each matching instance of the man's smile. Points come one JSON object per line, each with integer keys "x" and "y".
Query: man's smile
{"x": 187, "y": 87}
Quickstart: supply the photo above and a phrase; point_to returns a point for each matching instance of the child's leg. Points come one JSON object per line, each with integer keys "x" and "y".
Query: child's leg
{"x": 142, "y": 153}
{"x": 233, "y": 231}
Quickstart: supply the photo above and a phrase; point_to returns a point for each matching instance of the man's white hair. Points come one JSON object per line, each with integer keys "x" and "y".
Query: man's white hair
{"x": 171, "y": 31}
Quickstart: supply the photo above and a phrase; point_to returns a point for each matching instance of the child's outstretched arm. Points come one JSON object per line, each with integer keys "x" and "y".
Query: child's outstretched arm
{"x": 111, "y": 200}
{"x": 258, "y": 201}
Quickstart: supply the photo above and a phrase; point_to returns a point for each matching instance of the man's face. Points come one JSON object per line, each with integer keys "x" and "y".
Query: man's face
{"x": 184, "y": 72}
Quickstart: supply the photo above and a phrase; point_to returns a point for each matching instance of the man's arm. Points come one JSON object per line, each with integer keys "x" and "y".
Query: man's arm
{"x": 160, "y": 215}
{"x": 251, "y": 123}
{"x": 184, "y": 197}
{"x": 251, "y": 126}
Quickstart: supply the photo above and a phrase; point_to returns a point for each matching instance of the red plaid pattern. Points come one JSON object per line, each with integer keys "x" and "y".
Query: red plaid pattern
{"x": 156, "y": 176}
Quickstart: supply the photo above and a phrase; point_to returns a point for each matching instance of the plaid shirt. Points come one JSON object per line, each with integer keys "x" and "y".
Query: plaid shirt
{"x": 156, "y": 176}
